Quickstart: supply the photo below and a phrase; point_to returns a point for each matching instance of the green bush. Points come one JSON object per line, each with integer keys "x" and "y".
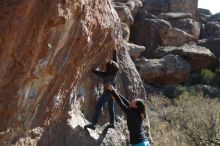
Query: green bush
{"x": 211, "y": 78}
{"x": 207, "y": 76}
{"x": 182, "y": 90}
{"x": 176, "y": 91}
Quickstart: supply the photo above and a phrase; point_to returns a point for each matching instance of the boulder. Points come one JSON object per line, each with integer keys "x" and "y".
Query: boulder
{"x": 134, "y": 50}
{"x": 203, "y": 32}
{"x": 175, "y": 16}
{"x": 129, "y": 84}
{"x": 125, "y": 32}
{"x": 215, "y": 18}
{"x": 183, "y": 21}
{"x": 72, "y": 133}
{"x": 212, "y": 44}
{"x": 143, "y": 14}
{"x": 202, "y": 15}
{"x": 124, "y": 13}
{"x": 186, "y": 6}
{"x": 204, "y": 11}
{"x": 199, "y": 57}
{"x": 134, "y": 6}
{"x": 213, "y": 29}
{"x": 170, "y": 69}
{"x": 130, "y": 80}
{"x": 207, "y": 91}
{"x": 175, "y": 37}
{"x": 188, "y": 25}
{"x": 146, "y": 32}
{"x": 47, "y": 52}
{"x": 159, "y": 6}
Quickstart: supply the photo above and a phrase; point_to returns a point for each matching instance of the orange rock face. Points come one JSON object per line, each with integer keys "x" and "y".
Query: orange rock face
{"x": 45, "y": 49}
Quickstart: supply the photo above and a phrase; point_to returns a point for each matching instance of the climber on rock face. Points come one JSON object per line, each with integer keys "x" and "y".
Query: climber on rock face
{"x": 109, "y": 75}
{"x": 135, "y": 112}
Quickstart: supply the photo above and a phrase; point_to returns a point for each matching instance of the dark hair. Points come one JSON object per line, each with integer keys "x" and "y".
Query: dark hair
{"x": 141, "y": 108}
{"x": 112, "y": 67}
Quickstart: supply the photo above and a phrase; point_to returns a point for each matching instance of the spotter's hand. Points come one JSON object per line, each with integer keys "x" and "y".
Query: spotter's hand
{"x": 109, "y": 86}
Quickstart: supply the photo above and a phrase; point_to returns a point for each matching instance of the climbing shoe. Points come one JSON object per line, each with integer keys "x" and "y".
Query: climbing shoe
{"x": 90, "y": 126}
{"x": 111, "y": 126}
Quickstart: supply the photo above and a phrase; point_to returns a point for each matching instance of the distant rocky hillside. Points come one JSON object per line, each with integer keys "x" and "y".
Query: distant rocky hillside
{"x": 175, "y": 41}
{"x": 48, "y": 49}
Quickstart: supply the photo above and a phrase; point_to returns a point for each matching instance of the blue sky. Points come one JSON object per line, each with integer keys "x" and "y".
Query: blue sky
{"x": 212, "y": 5}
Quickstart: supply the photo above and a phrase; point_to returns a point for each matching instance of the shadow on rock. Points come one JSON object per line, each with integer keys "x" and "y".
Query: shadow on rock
{"x": 65, "y": 135}
{"x": 102, "y": 135}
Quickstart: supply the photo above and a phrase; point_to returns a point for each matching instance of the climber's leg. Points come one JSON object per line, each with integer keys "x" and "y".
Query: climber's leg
{"x": 100, "y": 103}
{"x": 111, "y": 112}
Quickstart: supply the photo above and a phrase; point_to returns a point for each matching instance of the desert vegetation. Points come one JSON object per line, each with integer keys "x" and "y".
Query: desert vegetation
{"x": 185, "y": 120}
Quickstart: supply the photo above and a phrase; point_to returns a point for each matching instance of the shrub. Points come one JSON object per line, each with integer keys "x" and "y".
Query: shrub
{"x": 207, "y": 76}
{"x": 182, "y": 90}
{"x": 193, "y": 121}
{"x": 176, "y": 91}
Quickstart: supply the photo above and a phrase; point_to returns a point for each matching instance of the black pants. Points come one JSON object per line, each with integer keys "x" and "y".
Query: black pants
{"x": 106, "y": 97}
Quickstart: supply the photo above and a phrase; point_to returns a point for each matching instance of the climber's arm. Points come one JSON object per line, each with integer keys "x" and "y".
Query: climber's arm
{"x": 116, "y": 96}
{"x": 125, "y": 101}
{"x": 120, "y": 102}
{"x": 99, "y": 73}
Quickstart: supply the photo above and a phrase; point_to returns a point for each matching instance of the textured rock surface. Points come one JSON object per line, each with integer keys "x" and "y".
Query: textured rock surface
{"x": 134, "y": 6}
{"x": 124, "y": 13}
{"x": 204, "y": 11}
{"x": 46, "y": 48}
{"x": 202, "y": 15}
{"x": 212, "y": 44}
{"x": 213, "y": 29}
{"x": 208, "y": 91}
{"x": 158, "y": 6}
{"x": 73, "y": 133}
{"x": 188, "y": 25}
{"x": 146, "y": 33}
{"x": 175, "y": 37}
{"x": 170, "y": 69}
{"x": 141, "y": 14}
{"x": 175, "y": 16}
{"x": 129, "y": 84}
{"x": 215, "y": 18}
{"x": 125, "y": 31}
{"x": 199, "y": 57}
{"x": 135, "y": 51}
{"x": 130, "y": 79}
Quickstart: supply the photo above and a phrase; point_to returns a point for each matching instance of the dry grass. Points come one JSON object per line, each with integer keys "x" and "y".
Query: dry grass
{"x": 185, "y": 121}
